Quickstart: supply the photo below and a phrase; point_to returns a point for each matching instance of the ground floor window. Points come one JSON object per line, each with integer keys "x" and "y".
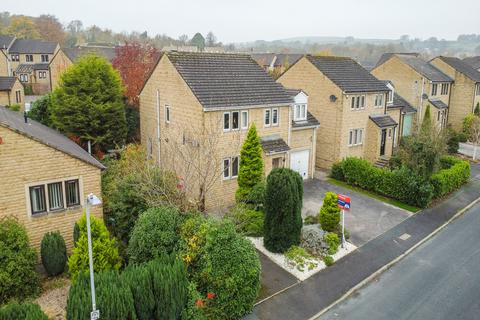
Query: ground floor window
{"x": 355, "y": 137}
{"x": 231, "y": 165}
{"x": 54, "y": 196}
{"x": 72, "y": 192}
{"x": 37, "y": 199}
{"x": 277, "y": 162}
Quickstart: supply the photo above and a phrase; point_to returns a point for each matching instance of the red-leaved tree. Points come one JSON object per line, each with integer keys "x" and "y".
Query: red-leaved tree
{"x": 134, "y": 61}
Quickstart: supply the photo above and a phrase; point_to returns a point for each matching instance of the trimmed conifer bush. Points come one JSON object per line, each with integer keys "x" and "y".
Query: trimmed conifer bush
{"x": 283, "y": 220}
{"x": 155, "y": 233}
{"x": 22, "y": 311}
{"x": 139, "y": 280}
{"x": 105, "y": 251}
{"x": 18, "y": 278}
{"x": 251, "y": 164}
{"x": 329, "y": 215}
{"x": 53, "y": 253}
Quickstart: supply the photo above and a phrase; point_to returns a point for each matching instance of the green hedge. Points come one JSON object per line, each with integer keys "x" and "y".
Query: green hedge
{"x": 53, "y": 253}
{"x": 23, "y": 311}
{"x": 401, "y": 184}
{"x": 454, "y": 173}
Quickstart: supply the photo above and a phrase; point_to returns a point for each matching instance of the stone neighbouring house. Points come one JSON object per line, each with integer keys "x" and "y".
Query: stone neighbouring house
{"x": 45, "y": 177}
{"x": 350, "y": 104}
{"x": 5, "y": 44}
{"x": 418, "y": 82}
{"x": 276, "y": 63}
{"x": 465, "y": 92}
{"x": 11, "y": 92}
{"x": 28, "y": 59}
{"x": 65, "y": 57}
{"x": 474, "y": 62}
{"x": 195, "y": 112}
{"x": 401, "y": 111}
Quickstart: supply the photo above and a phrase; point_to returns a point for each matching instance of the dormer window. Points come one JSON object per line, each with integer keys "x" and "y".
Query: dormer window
{"x": 390, "y": 96}
{"x": 300, "y": 112}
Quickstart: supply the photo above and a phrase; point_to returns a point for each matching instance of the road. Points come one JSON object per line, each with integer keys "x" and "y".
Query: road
{"x": 439, "y": 280}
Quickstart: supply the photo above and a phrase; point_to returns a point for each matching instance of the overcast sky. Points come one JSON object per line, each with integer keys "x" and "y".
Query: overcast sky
{"x": 247, "y": 20}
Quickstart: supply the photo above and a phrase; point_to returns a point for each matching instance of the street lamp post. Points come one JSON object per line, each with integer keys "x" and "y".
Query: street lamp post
{"x": 92, "y": 200}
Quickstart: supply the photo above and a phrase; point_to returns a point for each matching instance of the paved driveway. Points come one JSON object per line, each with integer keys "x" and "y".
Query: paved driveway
{"x": 368, "y": 217}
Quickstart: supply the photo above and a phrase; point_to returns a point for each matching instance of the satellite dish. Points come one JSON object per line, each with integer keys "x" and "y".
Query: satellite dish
{"x": 333, "y": 98}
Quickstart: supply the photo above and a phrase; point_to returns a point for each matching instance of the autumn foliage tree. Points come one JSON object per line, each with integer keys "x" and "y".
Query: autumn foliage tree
{"x": 134, "y": 62}
{"x": 50, "y": 28}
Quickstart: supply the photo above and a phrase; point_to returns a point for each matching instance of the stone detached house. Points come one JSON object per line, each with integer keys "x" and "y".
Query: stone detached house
{"x": 351, "y": 106}
{"x": 28, "y": 60}
{"x": 5, "y": 44}
{"x": 11, "y": 92}
{"x": 45, "y": 177}
{"x": 195, "y": 112}
{"x": 465, "y": 91}
{"x": 418, "y": 82}
{"x": 65, "y": 57}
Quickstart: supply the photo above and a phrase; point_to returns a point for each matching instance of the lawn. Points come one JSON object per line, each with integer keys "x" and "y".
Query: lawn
{"x": 374, "y": 195}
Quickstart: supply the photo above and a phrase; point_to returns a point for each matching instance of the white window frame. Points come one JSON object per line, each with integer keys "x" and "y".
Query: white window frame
{"x": 434, "y": 89}
{"x": 226, "y": 168}
{"x": 390, "y": 95}
{"x": 355, "y": 137}
{"x": 244, "y": 126}
{"x": 445, "y": 89}
{"x": 378, "y": 100}
{"x": 44, "y": 57}
{"x": 358, "y": 102}
{"x": 238, "y": 120}
{"x": 42, "y": 74}
{"x": 29, "y": 57}
{"x": 276, "y": 123}
{"x": 300, "y": 112}
{"x": 267, "y": 118}
{"x": 228, "y": 122}
{"x": 168, "y": 113}
{"x": 231, "y": 166}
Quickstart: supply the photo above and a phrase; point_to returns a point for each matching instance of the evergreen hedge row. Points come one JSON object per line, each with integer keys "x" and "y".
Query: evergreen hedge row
{"x": 157, "y": 290}
{"x": 453, "y": 175}
{"x": 23, "y": 311}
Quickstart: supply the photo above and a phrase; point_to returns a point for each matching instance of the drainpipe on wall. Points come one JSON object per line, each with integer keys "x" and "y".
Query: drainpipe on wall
{"x": 290, "y": 110}
{"x": 420, "y": 107}
{"x": 158, "y": 127}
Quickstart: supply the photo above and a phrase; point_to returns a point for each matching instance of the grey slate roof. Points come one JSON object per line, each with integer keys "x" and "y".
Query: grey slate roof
{"x": 24, "y": 68}
{"x": 263, "y": 59}
{"x": 284, "y": 58}
{"x": 383, "y": 120}
{"x": 74, "y": 53}
{"x": 6, "y": 83}
{"x": 384, "y": 57}
{"x": 347, "y": 74}
{"x": 274, "y": 145}
{"x": 33, "y": 46}
{"x": 424, "y": 68}
{"x": 223, "y": 80}
{"x": 40, "y": 66}
{"x": 399, "y": 102}
{"x": 462, "y": 67}
{"x": 43, "y": 134}
{"x": 5, "y": 41}
{"x": 438, "y": 104}
{"x": 473, "y": 61}
{"x": 310, "y": 122}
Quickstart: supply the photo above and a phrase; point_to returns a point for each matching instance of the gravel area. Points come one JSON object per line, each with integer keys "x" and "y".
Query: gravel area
{"x": 53, "y": 300}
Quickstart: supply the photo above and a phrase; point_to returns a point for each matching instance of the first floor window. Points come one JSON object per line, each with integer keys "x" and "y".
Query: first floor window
{"x": 29, "y": 58}
{"x": 358, "y": 102}
{"x": 445, "y": 88}
{"x": 267, "y": 118}
{"x": 244, "y": 119}
{"x": 235, "y": 120}
{"x": 226, "y": 168}
{"x": 55, "y": 196}
{"x": 44, "y": 57}
{"x": 226, "y": 121}
{"x": 37, "y": 199}
{"x": 72, "y": 193}
{"x": 274, "y": 117}
{"x": 300, "y": 112}
{"x": 378, "y": 100}
{"x": 434, "y": 89}
{"x": 15, "y": 57}
{"x": 355, "y": 137}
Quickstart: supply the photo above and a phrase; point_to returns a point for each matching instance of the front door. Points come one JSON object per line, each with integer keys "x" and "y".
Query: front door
{"x": 382, "y": 142}
{"x": 299, "y": 162}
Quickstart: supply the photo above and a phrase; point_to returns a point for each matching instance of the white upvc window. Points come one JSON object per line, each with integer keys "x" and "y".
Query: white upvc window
{"x": 235, "y": 120}
{"x": 355, "y": 137}
{"x": 445, "y": 87}
{"x": 167, "y": 114}
{"x": 274, "y": 117}
{"x": 266, "y": 117}
{"x": 300, "y": 112}
{"x": 379, "y": 100}
{"x": 391, "y": 93}
{"x": 231, "y": 166}
{"x": 226, "y": 121}
{"x": 434, "y": 89}
{"x": 29, "y": 57}
{"x": 358, "y": 102}
{"x": 244, "y": 120}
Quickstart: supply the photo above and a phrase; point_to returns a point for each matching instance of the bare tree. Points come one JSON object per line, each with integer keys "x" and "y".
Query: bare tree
{"x": 183, "y": 39}
{"x": 197, "y": 158}
{"x": 475, "y": 135}
{"x": 211, "y": 39}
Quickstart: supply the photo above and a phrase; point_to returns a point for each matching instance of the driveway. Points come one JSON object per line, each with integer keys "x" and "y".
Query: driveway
{"x": 368, "y": 217}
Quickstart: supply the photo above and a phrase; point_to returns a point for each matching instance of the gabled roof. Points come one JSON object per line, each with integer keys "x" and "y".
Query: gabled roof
{"x": 424, "y": 68}
{"x": 473, "y": 61}
{"x": 40, "y": 66}
{"x": 5, "y": 41}
{"x": 6, "y": 83}
{"x": 33, "y": 46}
{"x": 386, "y": 56}
{"x": 223, "y": 80}
{"x": 276, "y": 145}
{"x": 24, "y": 68}
{"x": 74, "y": 53}
{"x": 383, "y": 120}
{"x": 399, "y": 102}
{"x": 347, "y": 74}
{"x": 438, "y": 104}
{"x": 263, "y": 59}
{"x": 284, "y": 58}
{"x": 462, "y": 67}
{"x": 43, "y": 134}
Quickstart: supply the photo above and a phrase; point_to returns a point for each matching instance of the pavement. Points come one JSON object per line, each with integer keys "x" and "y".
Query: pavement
{"x": 306, "y": 299}
{"x": 468, "y": 149}
{"x": 368, "y": 217}
{"x": 439, "y": 280}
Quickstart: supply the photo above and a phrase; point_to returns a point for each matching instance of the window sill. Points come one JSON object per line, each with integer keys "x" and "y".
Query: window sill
{"x": 355, "y": 145}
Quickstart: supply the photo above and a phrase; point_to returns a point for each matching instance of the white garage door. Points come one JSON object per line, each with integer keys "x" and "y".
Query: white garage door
{"x": 299, "y": 162}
